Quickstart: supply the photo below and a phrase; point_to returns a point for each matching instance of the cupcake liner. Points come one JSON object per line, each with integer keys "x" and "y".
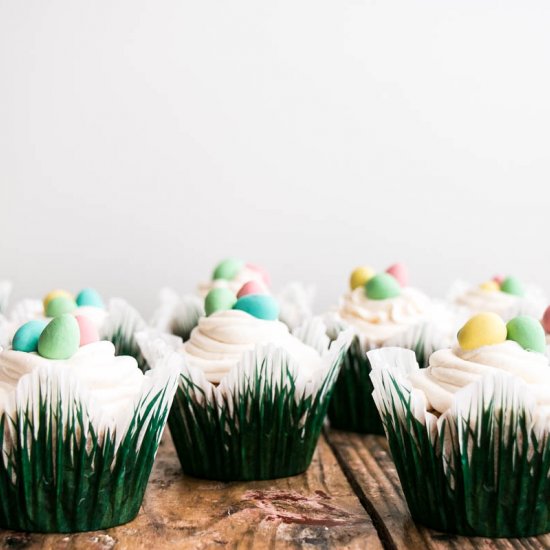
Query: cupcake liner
{"x": 65, "y": 466}
{"x": 480, "y": 469}
{"x": 177, "y": 315}
{"x": 261, "y": 422}
{"x": 5, "y": 292}
{"x": 120, "y": 327}
{"x": 352, "y": 407}
{"x": 296, "y": 304}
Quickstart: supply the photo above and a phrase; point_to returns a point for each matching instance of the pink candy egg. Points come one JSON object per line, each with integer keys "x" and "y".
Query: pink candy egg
{"x": 400, "y": 272}
{"x": 546, "y": 320}
{"x": 252, "y": 287}
{"x": 498, "y": 279}
{"x": 263, "y": 273}
{"x": 88, "y": 331}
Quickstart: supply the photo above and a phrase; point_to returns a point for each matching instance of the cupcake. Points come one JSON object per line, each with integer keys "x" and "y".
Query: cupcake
{"x": 382, "y": 310}
{"x": 505, "y": 296}
{"x": 252, "y": 396}
{"x": 469, "y": 435}
{"x": 179, "y": 315}
{"x": 80, "y": 428}
{"x": 116, "y": 322}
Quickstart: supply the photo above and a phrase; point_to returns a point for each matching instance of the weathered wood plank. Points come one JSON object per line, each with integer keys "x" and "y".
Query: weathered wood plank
{"x": 316, "y": 509}
{"x": 367, "y": 463}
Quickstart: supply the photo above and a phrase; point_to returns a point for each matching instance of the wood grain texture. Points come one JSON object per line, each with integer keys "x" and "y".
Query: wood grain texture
{"x": 317, "y": 509}
{"x": 366, "y": 461}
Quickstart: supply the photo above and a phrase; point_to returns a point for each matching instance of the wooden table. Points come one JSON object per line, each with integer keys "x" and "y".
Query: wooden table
{"x": 349, "y": 498}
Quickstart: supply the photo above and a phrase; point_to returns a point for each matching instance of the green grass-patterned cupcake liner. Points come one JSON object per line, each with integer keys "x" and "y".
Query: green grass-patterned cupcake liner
{"x": 178, "y": 315}
{"x": 480, "y": 469}
{"x": 121, "y": 324}
{"x": 65, "y": 466}
{"x": 352, "y": 407}
{"x": 264, "y": 419}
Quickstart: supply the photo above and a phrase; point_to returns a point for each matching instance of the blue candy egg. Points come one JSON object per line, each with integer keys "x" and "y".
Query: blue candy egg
{"x": 27, "y": 335}
{"x": 89, "y": 297}
{"x": 261, "y": 306}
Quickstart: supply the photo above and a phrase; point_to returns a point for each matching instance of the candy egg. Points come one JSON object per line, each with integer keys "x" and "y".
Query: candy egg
{"x": 498, "y": 279}
{"x": 88, "y": 331}
{"x": 490, "y": 286}
{"x": 400, "y": 272}
{"x": 60, "y": 339}
{"x": 59, "y": 306}
{"x": 527, "y": 332}
{"x": 360, "y": 276}
{"x": 512, "y": 285}
{"x": 252, "y": 287}
{"x": 228, "y": 269}
{"x": 27, "y": 335}
{"x": 546, "y": 320}
{"x": 262, "y": 306}
{"x": 55, "y": 294}
{"x": 89, "y": 297}
{"x": 483, "y": 329}
{"x": 219, "y": 299}
{"x": 382, "y": 287}
{"x": 263, "y": 273}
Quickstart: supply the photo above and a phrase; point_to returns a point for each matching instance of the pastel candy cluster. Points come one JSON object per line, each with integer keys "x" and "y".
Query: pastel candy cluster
{"x": 510, "y": 285}
{"x": 251, "y": 299}
{"x": 58, "y": 339}
{"x": 487, "y": 329}
{"x": 58, "y": 302}
{"x": 229, "y": 269}
{"x": 380, "y": 286}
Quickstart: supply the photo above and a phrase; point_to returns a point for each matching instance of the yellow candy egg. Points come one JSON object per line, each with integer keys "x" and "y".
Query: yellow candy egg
{"x": 483, "y": 329}
{"x": 490, "y": 286}
{"x": 360, "y": 276}
{"x": 56, "y": 294}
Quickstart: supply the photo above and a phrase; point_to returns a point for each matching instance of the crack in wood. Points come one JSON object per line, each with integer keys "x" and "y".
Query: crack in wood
{"x": 378, "y": 522}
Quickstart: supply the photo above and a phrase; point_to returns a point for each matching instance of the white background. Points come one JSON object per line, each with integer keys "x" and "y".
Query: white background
{"x": 142, "y": 141}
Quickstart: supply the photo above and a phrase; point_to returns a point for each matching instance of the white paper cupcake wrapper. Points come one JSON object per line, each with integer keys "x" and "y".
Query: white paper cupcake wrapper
{"x": 67, "y": 465}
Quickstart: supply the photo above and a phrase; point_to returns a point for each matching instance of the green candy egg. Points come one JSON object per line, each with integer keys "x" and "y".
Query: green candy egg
{"x": 89, "y": 297}
{"x": 60, "y": 339}
{"x": 227, "y": 269}
{"x": 261, "y": 306}
{"x": 382, "y": 287}
{"x": 59, "y": 306}
{"x": 512, "y": 285}
{"x": 27, "y": 336}
{"x": 527, "y": 332}
{"x": 219, "y": 299}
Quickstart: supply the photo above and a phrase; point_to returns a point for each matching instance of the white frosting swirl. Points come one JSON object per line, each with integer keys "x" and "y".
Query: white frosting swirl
{"x": 451, "y": 369}
{"x": 244, "y": 275}
{"x": 380, "y": 320}
{"x": 479, "y": 300}
{"x": 219, "y": 341}
{"x": 112, "y": 381}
